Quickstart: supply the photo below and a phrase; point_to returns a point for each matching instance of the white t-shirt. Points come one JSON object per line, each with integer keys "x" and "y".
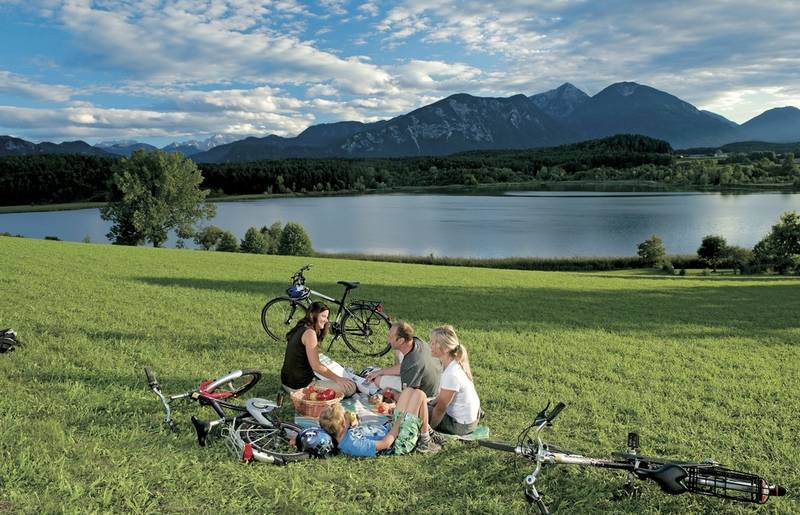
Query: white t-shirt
{"x": 465, "y": 405}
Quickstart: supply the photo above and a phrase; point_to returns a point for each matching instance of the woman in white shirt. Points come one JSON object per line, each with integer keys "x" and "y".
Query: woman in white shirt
{"x": 457, "y": 407}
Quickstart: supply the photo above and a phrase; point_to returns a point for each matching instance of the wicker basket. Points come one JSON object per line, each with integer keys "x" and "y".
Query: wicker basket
{"x": 312, "y": 408}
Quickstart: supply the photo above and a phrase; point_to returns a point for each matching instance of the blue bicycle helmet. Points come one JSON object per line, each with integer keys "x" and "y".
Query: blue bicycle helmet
{"x": 316, "y": 442}
{"x": 297, "y": 292}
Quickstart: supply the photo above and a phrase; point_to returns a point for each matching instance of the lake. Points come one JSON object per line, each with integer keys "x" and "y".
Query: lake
{"x": 521, "y": 223}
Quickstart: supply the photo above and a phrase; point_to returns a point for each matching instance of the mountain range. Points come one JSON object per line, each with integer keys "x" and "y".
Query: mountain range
{"x": 463, "y": 122}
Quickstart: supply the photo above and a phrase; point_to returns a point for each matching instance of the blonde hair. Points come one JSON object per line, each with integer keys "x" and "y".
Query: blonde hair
{"x": 446, "y": 339}
{"x": 332, "y": 420}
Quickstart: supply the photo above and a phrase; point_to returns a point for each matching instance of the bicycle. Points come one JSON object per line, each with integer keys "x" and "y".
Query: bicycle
{"x": 362, "y": 324}
{"x": 252, "y": 433}
{"x": 674, "y": 477}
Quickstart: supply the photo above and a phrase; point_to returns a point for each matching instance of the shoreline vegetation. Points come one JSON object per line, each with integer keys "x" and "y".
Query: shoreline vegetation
{"x": 607, "y": 186}
{"x": 623, "y": 161}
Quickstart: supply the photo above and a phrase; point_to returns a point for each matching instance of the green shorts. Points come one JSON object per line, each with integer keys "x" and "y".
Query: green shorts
{"x": 409, "y": 433}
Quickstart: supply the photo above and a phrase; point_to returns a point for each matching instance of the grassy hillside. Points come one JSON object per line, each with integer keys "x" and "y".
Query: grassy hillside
{"x": 700, "y": 366}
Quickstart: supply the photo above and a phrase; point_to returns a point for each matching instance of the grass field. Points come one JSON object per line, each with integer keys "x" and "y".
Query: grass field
{"x": 700, "y": 366}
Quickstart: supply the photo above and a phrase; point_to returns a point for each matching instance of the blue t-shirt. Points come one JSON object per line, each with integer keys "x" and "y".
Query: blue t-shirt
{"x": 361, "y": 440}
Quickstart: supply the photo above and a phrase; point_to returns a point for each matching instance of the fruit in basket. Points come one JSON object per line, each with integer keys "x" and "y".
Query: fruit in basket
{"x": 326, "y": 395}
{"x": 313, "y": 396}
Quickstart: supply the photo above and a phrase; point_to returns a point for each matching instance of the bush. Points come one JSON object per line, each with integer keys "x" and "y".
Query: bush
{"x": 780, "y": 249}
{"x": 668, "y": 268}
{"x": 208, "y": 237}
{"x": 713, "y": 250}
{"x": 682, "y": 272}
{"x": 228, "y": 242}
{"x": 52, "y": 238}
{"x": 294, "y": 241}
{"x": 273, "y": 236}
{"x": 254, "y": 242}
{"x": 651, "y": 251}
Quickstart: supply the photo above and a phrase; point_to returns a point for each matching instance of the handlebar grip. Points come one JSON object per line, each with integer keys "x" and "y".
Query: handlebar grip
{"x": 152, "y": 382}
{"x": 556, "y": 411}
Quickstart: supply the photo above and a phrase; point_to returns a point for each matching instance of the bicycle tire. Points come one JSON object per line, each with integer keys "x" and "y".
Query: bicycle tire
{"x": 280, "y": 315}
{"x": 233, "y": 387}
{"x": 499, "y": 446}
{"x": 365, "y": 331}
{"x": 276, "y": 441}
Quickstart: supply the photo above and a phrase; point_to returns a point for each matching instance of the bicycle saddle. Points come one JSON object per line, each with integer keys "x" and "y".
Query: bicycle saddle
{"x": 256, "y": 407}
{"x": 668, "y": 477}
{"x": 348, "y": 285}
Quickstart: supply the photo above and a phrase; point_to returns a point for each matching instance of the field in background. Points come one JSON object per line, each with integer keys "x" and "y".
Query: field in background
{"x": 700, "y": 366}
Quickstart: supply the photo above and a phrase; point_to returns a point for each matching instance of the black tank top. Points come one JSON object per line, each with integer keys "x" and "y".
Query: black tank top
{"x": 296, "y": 371}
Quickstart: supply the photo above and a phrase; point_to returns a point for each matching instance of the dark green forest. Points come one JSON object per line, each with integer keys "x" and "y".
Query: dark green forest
{"x": 47, "y": 179}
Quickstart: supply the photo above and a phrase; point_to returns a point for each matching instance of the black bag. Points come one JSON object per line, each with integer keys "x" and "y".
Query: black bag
{"x": 8, "y": 340}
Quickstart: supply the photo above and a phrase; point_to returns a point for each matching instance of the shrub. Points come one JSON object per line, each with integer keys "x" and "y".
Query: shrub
{"x": 254, "y": 242}
{"x": 651, "y": 251}
{"x": 713, "y": 250}
{"x": 208, "y": 237}
{"x": 273, "y": 236}
{"x": 228, "y": 242}
{"x": 294, "y": 241}
{"x": 781, "y": 247}
{"x": 668, "y": 268}
{"x": 682, "y": 272}
{"x": 53, "y": 238}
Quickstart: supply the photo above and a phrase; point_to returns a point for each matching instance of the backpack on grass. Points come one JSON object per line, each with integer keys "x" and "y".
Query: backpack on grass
{"x": 8, "y": 340}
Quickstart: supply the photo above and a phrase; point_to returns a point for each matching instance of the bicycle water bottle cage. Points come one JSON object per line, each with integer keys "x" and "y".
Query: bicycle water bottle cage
{"x": 348, "y": 285}
{"x": 298, "y": 292}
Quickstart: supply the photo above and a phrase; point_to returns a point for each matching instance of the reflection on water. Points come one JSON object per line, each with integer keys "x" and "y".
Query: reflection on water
{"x": 524, "y": 223}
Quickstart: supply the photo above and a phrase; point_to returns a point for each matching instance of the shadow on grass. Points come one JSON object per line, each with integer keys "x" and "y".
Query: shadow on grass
{"x": 739, "y": 309}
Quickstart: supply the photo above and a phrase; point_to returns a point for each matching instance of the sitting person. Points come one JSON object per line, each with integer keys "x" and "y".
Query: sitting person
{"x": 415, "y": 367}
{"x": 409, "y": 429}
{"x": 457, "y": 407}
{"x": 301, "y": 360}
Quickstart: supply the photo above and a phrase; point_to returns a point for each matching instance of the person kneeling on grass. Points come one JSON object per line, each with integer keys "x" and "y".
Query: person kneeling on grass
{"x": 301, "y": 360}
{"x": 457, "y": 407}
{"x": 400, "y": 436}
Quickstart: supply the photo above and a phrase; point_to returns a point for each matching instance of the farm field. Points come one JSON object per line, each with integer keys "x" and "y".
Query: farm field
{"x": 701, "y": 366}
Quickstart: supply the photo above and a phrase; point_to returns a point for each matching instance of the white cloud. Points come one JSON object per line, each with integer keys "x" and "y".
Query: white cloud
{"x": 321, "y": 90}
{"x": 13, "y": 84}
{"x": 369, "y": 8}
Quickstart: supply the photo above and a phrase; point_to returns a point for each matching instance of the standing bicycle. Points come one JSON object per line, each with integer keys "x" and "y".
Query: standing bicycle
{"x": 362, "y": 324}
{"x": 674, "y": 477}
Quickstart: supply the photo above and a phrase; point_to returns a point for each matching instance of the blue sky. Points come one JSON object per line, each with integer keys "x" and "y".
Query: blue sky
{"x": 161, "y": 70}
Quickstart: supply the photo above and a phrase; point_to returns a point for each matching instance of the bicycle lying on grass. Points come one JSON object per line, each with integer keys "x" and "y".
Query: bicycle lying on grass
{"x": 252, "y": 432}
{"x": 362, "y": 324}
{"x": 674, "y": 477}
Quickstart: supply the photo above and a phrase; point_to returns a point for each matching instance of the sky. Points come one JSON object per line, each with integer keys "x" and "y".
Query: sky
{"x": 160, "y": 71}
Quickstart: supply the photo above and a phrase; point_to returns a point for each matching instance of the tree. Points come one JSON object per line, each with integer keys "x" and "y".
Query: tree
{"x": 781, "y": 247}
{"x": 152, "y": 194}
{"x": 788, "y": 167}
{"x": 651, "y": 251}
{"x": 273, "y": 236}
{"x": 294, "y": 241}
{"x": 228, "y": 242}
{"x": 208, "y": 237}
{"x": 254, "y": 242}
{"x": 713, "y": 251}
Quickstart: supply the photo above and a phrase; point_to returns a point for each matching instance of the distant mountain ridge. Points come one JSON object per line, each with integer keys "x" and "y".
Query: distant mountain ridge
{"x": 11, "y": 146}
{"x": 463, "y": 122}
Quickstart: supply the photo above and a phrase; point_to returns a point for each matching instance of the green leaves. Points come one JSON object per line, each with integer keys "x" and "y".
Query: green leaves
{"x": 154, "y": 193}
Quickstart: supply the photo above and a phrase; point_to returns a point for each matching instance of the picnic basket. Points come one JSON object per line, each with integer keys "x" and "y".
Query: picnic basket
{"x": 309, "y": 408}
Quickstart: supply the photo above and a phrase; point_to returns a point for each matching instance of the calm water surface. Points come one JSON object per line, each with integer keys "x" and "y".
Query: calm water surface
{"x": 519, "y": 223}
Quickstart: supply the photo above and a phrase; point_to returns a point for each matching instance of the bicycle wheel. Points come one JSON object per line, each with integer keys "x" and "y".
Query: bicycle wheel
{"x": 276, "y": 442}
{"x": 280, "y": 315}
{"x": 230, "y": 385}
{"x": 365, "y": 331}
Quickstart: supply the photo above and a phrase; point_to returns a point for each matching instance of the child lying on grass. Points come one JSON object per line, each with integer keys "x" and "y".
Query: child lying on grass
{"x": 410, "y": 417}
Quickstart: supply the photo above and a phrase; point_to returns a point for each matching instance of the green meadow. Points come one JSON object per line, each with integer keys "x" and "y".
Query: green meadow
{"x": 701, "y": 366}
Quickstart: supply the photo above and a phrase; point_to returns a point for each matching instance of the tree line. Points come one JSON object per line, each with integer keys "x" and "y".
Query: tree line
{"x": 72, "y": 178}
{"x": 778, "y": 251}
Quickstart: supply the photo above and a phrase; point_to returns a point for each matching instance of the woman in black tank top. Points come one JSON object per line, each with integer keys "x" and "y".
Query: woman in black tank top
{"x": 301, "y": 360}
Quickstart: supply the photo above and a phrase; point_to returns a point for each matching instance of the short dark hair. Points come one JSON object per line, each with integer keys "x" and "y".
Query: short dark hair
{"x": 404, "y": 330}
